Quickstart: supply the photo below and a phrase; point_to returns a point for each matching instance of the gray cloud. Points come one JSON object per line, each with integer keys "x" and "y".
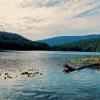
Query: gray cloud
{"x": 43, "y": 3}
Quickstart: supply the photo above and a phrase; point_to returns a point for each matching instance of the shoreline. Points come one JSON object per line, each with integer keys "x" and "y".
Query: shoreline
{"x": 4, "y": 50}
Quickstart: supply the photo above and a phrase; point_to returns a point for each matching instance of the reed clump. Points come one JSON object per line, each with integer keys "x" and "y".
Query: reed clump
{"x": 86, "y": 60}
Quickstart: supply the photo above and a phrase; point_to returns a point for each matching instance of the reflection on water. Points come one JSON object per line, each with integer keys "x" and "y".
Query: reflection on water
{"x": 53, "y": 84}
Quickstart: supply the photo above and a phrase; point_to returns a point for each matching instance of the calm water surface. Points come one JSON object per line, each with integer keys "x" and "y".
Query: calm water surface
{"x": 53, "y": 84}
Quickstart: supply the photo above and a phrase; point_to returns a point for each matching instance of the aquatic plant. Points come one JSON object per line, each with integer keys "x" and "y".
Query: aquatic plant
{"x": 86, "y": 60}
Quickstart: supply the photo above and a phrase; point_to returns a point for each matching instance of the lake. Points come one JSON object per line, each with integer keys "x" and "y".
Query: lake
{"x": 53, "y": 84}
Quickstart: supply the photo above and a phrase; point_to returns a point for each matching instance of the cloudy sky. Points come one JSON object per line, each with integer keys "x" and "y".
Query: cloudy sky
{"x": 38, "y": 19}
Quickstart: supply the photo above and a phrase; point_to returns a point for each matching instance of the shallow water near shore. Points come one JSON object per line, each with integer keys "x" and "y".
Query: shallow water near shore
{"x": 53, "y": 84}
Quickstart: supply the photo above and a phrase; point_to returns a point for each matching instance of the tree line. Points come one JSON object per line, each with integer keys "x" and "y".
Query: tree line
{"x": 13, "y": 41}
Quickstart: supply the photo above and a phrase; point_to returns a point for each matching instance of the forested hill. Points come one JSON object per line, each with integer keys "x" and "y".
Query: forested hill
{"x": 12, "y": 41}
{"x": 90, "y": 45}
{"x": 55, "y": 41}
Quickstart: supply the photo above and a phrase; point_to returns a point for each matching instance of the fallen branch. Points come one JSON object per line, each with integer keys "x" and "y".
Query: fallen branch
{"x": 67, "y": 68}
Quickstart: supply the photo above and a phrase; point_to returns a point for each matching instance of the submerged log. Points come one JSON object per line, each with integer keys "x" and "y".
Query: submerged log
{"x": 67, "y": 68}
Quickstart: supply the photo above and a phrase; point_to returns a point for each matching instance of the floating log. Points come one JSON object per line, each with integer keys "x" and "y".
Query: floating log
{"x": 67, "y": 68}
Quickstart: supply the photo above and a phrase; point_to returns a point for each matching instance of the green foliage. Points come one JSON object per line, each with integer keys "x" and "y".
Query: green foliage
{"x": 12, "y": 41}
{"x": 90, "y": 45}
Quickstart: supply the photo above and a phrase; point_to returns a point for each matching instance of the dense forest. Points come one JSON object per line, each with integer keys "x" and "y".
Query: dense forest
{"x": 89, "y": 45}
{"x": 12, "y": 41}
{"x": 56, "y": 41}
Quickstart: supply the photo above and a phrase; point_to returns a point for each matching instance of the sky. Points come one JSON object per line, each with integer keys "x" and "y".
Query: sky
{"x": 40, "y": 19}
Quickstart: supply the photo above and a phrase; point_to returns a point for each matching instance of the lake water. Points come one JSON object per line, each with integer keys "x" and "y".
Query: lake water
{"x": 53, "y": 84}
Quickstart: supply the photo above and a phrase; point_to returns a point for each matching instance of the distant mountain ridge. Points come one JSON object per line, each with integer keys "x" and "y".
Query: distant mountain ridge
{"x": 66, "y": 39}
{"x": 13, "y": 41}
